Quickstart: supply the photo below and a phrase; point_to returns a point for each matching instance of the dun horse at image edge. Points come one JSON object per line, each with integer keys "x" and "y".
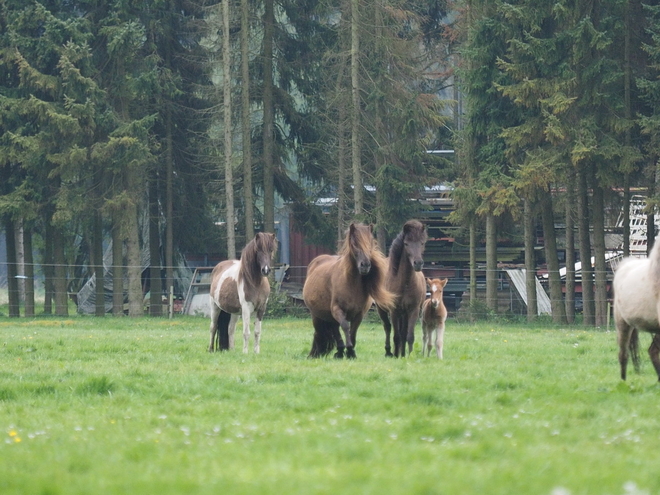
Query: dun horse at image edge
{"x": 339, "y": 290}
{"x": 636, "y": 307}
{"x": 241, "y": 288}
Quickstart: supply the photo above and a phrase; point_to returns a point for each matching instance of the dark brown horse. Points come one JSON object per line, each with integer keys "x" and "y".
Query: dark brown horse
{"x": 339, "y": 290}
{"x": 240, "y": 287}
{"x": 406, "y": 280}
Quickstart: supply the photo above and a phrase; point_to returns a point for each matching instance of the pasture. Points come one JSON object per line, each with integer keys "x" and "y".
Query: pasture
{"x": 139, "y": 406}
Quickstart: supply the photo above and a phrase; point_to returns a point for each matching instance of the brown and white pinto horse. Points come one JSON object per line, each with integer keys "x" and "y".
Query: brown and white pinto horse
{"x": 340, "y": 289}
{"x": 405, "y": 279}
{"x": 241, "y": 287}
{"x": 434, "y": 315}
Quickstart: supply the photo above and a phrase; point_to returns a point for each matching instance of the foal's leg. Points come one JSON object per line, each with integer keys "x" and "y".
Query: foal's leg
{"x": 654, "y": 351}
{"x": 440, "y": 338}
{"x": 387, "y": 325}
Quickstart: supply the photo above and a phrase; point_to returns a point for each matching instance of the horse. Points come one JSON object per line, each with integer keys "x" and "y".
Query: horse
{"x": 241, "y": 287}
{"x": 637, "y": 307}
{"x": 339, "y": 290}
{"x": 405, "y": 279}
{"x": 434, "y": 314}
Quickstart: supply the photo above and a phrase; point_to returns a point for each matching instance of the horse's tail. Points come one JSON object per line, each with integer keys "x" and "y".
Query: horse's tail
{"x": 324, "y": 339}
{"x": 223, "y": 330}
{"x": 633, "y": 348}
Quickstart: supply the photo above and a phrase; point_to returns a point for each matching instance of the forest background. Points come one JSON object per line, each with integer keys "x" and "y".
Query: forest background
{"x": 180, "y": 126}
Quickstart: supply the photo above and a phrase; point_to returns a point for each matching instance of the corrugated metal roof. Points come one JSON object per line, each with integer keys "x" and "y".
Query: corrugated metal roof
{"x": 517, "y": 277}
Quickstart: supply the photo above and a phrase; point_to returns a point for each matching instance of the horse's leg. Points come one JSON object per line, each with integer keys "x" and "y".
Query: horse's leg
{"x": 257, "y": 334}
{"x": 440, "y": 338}
{"x": 410, "y": 326}
{"x": 624, "y": 332}
{"x": 399, "y": 349}
{"x": 231, "y": 328}
{"x": 339, "y": 315}
{"x": 339, "y": 342}
{"x": 654, "y": 351}
{"x": 355, "y": 324}
{"x": 215, "y": 312}
{"x": 387, "y": 326}
{"x": 245, "y": 315}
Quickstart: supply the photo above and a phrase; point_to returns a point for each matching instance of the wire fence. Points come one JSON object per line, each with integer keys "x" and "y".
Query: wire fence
{"x": 286, "y": 298}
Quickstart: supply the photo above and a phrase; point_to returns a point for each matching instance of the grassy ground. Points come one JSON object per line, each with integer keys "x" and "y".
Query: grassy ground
{"x": 138, "y": 406}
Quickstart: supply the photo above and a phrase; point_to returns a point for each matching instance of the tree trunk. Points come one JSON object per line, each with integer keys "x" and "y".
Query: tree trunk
{"x": 246, "y": 122}
{"x": 117, "y": 265}
{"x": 60, "y": 278}
{"x": 600, "y": 267}
{"x": 358, "y": 193}
{"x": 269, "y": 119}
{"x": 473, "y": 260}
{"x": 585, "y": 249}
{"x": 550, "y": 242}
{"x": 12, "y": 269}
{"x": 97, "y": 262}
{"x": 169, "y": 204}
{"x": 49, "y": 267}
{"x": 20, "y": 259}
{"x": 491, "y": 263}
{"x": 29, "y": 270}
{"x": 570, "y": 249}
{"x": 341, "y": 179}
{"x": 627, "y": 73}
{"x": 134, "y": 260}
{"x": 155, "y": 281}
{"x": 530, "y": 262}
{"x": 226, "y": 103}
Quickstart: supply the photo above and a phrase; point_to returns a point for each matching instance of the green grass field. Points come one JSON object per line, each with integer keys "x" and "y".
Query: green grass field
{"x": 138, "y": 406}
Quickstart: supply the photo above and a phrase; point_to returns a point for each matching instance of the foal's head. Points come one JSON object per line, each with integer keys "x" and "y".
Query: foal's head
{"x": 437, "y": 286}
{"x": 359, "y": 245}
{"x": 414, "y": 240}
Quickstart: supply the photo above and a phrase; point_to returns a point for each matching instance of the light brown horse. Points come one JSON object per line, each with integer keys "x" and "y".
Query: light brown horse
{"x": 339, "y": 290}
{"x": 405, "y": 279}
{"x": 241, "y": 287}
{"x": 637, "y": 307}
{"x": 434, "y": 314}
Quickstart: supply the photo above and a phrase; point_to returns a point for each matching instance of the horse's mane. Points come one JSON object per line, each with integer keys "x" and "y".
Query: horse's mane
{"x": 414, "y": 231}
{"x": 250, "y": 270}
{"x": 360, "y": 238}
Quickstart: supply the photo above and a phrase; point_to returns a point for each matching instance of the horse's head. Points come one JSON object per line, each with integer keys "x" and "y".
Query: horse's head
{"x": 437, "y": 287}
{"x": 414, "y": 241}
{"x": 360, "y": 243}
{"x": 266, "y": 245}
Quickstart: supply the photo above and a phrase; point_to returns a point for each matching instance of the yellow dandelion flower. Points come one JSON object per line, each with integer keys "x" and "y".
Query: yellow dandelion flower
{"x": 13, "y": 433}
{"x": 17, "y": 439}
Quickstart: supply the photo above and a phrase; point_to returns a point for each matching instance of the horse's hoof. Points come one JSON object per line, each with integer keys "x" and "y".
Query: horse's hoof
{"x": 350, "y": 354}
{"x": 389, "y": 354}
{"x": 339, "y": 355}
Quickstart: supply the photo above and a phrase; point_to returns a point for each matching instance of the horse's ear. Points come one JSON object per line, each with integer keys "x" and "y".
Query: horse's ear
{"x": 428, "y": 281}
{"x": 443, "y": 282}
